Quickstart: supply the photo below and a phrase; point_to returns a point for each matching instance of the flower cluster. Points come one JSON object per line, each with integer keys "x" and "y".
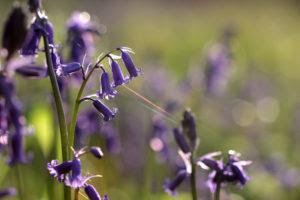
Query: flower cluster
{"x": 70, "y": 173}
{"x": 107, "y": 88}
{"x": 41, "y": 27}
{"x": 230, "y": 172}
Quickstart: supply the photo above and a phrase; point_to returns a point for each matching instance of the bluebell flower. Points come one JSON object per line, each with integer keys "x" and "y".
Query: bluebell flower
{"x": 59, "y": 171}
{"x": 7, "y": 192}
{"x": 97, "y": 152}
{"x": 131, "y": 68}
{"x": 69, "y": 172}
{"x": 91, "y": 192}
{"x": 181, "y": 141}
{"x": 106, "y": 90}
{"x": 75, "y": 179}
{"x": 230, "y": 172}
{"x": 117, "y": 73}
{"x": 67, "y": 69}
{"x": 14, "y": 31}
{"x": 188, "y": 124}
{"x": 107, "y": 113}
{"x": 32, "y": 71}
{"x": 170, "y": 186}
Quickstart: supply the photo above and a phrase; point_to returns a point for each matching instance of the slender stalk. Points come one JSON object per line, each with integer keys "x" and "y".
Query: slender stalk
{"x": 76, "y": 194}
{"x": 193, "y": 179}
{"x": 217, "y": 192}
{"x": 76, "y": 108}
{"x": 60, "y": 111}
{"x": 20, "y": 183}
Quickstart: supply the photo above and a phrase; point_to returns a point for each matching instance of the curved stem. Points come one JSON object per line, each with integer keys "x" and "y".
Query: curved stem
{"x": 193, "y": 179}
{"x": 60, "y": 110}
{"x": 72, "y": 124}
{"x": 76, "y": 108}
{"x": 217, "y": 192}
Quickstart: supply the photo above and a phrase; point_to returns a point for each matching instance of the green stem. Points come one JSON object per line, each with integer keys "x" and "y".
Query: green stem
{"x": 217, "y": 192}
{"x": 60, "y": 110}
{"x": 76, "y": 194}
{"x": 193, "y": 179}
{"x": 76, "y": 108}
{"x": 20, "y": 183}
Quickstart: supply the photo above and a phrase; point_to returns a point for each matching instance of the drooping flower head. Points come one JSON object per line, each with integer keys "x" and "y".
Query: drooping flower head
{"x": 117, "y": 73}
{"x": 107, "y": 113}
{"x": 130, "y": 66}
{"x": 106, "y": 91}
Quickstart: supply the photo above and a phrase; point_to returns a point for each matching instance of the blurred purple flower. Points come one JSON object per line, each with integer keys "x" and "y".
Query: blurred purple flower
{"x": 34, "y": 5}
{"x": 16, "y": 119}
{"x": 17, "y": 149}
{"x": 80, "y": 36}
{"x": 181, "y": 141}
{"x": 7, "y": 192}
{"x": 170, "y": 186}
{"x": 89, "y": 122}
{"x": 189, "y": 127}
{"x": 14, "y": 31}
{"x": 232, "y": 171}
{"x": 105, "y": 197}
{"x": 218, "y": 63}
{"x": 97, "y": 152}
{"x": 32, "y": 71}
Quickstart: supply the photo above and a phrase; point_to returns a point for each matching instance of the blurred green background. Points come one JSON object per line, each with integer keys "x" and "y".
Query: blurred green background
{"x": 173, "y": 36}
